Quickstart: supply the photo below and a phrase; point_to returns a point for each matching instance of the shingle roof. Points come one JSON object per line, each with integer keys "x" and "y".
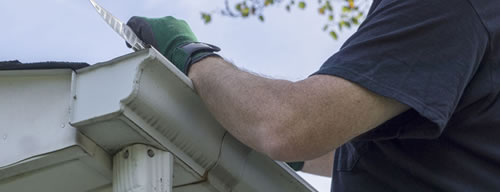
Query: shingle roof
{"x": 16, "y": 65}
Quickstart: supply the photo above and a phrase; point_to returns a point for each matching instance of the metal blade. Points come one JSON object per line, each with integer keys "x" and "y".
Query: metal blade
{"x": 122, "y": 29}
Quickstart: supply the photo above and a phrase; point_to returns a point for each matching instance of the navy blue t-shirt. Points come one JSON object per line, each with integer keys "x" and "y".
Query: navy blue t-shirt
{"x": 441, "y": 58}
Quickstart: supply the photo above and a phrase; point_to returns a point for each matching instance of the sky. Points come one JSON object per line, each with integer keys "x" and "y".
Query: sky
{"x": 286, "y": 46}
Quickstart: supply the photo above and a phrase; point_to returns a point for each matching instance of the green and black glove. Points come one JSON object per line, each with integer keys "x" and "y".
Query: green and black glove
{"x": 174, "y": 39}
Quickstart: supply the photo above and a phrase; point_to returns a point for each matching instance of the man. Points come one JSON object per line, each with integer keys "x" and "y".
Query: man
{"x": 410, "y": 102}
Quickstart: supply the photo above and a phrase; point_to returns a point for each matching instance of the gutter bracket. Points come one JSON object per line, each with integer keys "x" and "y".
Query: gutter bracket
{"x": 142, "y": 168}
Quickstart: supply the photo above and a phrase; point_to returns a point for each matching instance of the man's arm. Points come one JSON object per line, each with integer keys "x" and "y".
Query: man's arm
{"x": 322, "y": 166}
{"x": 289, "y": 121}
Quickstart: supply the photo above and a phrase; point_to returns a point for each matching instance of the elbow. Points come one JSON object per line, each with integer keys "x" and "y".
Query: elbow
{"x": 279, "y": 150}
{"x": 280, "y": 140}
{"x": 289, "y": 140}
{"x": 288, "y": 150}
{"x": 283, "y": 131}
{"x": 292, "y": 148}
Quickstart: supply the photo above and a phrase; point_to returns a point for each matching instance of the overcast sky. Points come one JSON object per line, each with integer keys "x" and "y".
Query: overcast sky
{"x": 288, "y": 46}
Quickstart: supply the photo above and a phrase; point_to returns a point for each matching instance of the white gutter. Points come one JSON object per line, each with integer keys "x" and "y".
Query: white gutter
{"x": 141, "y": 98}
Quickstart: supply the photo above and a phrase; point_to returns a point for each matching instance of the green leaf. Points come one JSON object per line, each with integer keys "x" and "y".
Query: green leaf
{"x": 347, "y": 24}
{"x": 245, "y": 12}
{"x": 334, "y": 35}
{"x": 355, "y": 21}
{"x": 346, "y": 9}
{"x": 261, "y": 18}
{"x": 206, "y": 17}
{"x": 360, "y": 14}
{"x": 350, "y": 14}
{"x": 302, "y": 5}
{"x": 268, "y": 2}
{"x": 244, "y": 9}
{"x": 329, "y": 6}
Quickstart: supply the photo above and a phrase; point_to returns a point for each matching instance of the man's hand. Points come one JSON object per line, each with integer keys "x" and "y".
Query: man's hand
{"x": 173, "y": 38}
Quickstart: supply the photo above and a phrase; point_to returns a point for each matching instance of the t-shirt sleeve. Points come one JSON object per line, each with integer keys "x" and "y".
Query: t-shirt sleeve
{"x": 421, "y": 53}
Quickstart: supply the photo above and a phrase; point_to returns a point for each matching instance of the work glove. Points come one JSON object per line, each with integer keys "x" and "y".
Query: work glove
{"x": 173, "y": 38}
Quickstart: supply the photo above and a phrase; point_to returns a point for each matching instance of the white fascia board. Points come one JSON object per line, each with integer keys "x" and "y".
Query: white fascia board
{"x": 34, "y": 114}
{"x": 36, "y": 138}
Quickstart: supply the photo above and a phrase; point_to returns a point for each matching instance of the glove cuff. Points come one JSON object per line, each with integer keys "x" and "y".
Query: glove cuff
{"x": 188, "y": 53}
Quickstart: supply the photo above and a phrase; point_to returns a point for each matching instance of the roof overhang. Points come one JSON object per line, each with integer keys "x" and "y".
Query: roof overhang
{"x": 140, "y": 98}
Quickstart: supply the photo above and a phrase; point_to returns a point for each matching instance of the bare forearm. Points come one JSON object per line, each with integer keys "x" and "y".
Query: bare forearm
{"x": 289, "y": 121}
{"x": 240, "y": 101}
